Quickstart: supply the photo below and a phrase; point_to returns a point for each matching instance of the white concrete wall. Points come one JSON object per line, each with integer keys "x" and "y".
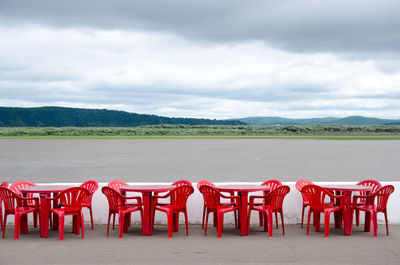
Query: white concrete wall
{"x": 292, "y": 206}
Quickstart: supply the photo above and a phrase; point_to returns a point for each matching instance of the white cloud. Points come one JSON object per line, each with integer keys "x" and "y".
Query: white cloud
{"x": 166, "y": 74}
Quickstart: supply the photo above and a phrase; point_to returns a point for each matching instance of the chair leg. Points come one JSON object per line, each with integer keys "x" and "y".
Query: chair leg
{"x": 220, "y": 220}
{"x": 302, "y": 216}
{"x": 215, "y": 219}
{"x": 82, "y": 225}
{"x": 121, "y": 224}
{"x": 170, "y": 217}
{"x": 357, "y": 217}
{"x": 35, "y": 219}
{"x": 61, "y": 226}
{"x": 1, "y": 217}
{"x": 204, "y": 215}
{"x": 260, "y": 217}
{"x": 187, "y": 223}
{"x": 114, "y": 221}
{"x": 269, "y": 220}
{"x": 375, "y": 223}
{"x": 141, "y": 220}
{"x": 248, "y": 219}
{"x": 283, "y": 224}
{"x": 326, "y": 223}
{"x": 276, "y": 219}
{"x": 308, "y": 222}
{"x": 386, "y": 221}
{"x": 205, "y": 226}
{"x": 236, "y": 219}
{"x": 17, "y": 225}
{"x": 91, "y": 216}
{"x": 4, "y": 223}
{"x": 176, "y": 222}
{"x": 108, "y": 223}
{"x": 317, "y": 221}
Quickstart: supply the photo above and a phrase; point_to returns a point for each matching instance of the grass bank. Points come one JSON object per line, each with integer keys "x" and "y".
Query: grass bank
{"x": 327, "y": 132}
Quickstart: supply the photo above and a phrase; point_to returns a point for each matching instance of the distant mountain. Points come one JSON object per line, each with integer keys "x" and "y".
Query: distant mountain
{"x": 61, "y": 117}
{"x": 351, "y": 120}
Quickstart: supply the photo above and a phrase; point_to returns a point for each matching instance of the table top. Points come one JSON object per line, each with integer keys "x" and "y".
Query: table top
{"x": 346, "y": 187}
{"x": 241, "y": 187}
{"x": 147, "y": 188}
{"x": 45, "y": 189}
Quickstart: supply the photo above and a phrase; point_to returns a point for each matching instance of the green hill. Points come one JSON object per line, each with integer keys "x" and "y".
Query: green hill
{"x": 351, "y": 120}
{"x": 61, "y": 117}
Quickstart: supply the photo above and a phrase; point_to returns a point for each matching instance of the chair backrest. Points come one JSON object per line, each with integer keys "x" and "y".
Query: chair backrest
{"x": 71, "y": 199}
{"x": 374, "y": 184}
{"x": 117, "y": 184}
{"x": 272, "y": 184}
{"x": 182, "y": 182}
{"x": 211, "y": 196}
{"x": 4, "y": 184}
{"x": 204, "y": 182}
{"x": 114, "y": 198}
{"x": 91, "y": 186}
{"x": 301, "y": 183}
{"x": 316, "y": 196}
{"x": 275, "y": 198}
{"x": 180, "y": 195}
{"x": 382, "y": 197}
{"x": 299, "y": 186}
{"x": 10, "y": 199}
{"x": 17, "y": 186}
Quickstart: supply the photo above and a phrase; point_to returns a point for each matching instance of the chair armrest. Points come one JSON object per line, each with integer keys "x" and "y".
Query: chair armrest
{"x": 252, "y": 198}
{"x": 36, "y": 200}
{"x": 162, "y": 196}
{"x": 139, "y": 199}
{"x": 341, "y": 199}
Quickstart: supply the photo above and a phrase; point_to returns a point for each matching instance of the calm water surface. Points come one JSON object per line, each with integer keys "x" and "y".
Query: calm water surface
{"x": 164, "y": 160}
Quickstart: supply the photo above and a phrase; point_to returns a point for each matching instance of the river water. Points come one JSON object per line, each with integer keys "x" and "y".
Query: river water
{"x": 218, "y": 160}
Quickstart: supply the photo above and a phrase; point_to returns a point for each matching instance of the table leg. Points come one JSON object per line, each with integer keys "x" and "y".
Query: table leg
{"x": 176, "y": 222}
{"x": 43, "y": 216}
{"x": 367, "y": 222}
{"x": 24, "y": 219}
{"x": 338, "y": 215}
{"x": 348, "y": 220}
{"x": 147, "y": 229}
{"x": 243, "y": 213}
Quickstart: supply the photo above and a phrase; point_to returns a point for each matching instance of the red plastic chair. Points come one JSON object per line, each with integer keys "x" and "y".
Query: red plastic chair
{"x": 91, "y": 186}
{"x": 116, "y": 185}
{"x": 212, "y": 201}
{"x": 299, "y": 186}
{"x": 231, "y": 203}
{"x": 177, "y": 183}
{"x": 375, "y": 185}
{"x": 179, "y": 197}
{"x": 14, "y": 204}
{"x": 16, "y": 188}
{"x": 381, "y": 196}
{"x": 182, "y": 182}
{"x": 273, "y": 202}
{"x": 272, "y": 184}
{"x": 70, "y": 203}
{"x": 316, "y": 196}
{"x": 116, "y": 203}
{"x": 4, "y": 185}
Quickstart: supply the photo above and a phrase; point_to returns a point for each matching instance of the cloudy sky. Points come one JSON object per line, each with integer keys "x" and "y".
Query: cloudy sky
{"x": 208, "y": 59}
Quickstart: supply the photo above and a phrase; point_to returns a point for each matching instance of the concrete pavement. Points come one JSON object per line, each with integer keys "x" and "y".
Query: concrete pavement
{"x": 293, "y": 248}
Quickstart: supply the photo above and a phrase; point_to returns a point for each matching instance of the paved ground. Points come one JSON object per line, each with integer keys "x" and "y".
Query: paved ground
{"x": 293, "y": 248}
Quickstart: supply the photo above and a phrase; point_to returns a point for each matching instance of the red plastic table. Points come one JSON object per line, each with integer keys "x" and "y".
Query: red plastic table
{"x": 243, "y": 191}
{"x": 147, "y": 195}
{"x": 44, "y": 191}
{"x": 346, "y": 190}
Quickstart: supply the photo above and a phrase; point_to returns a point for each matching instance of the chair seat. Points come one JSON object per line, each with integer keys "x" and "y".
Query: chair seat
{"x": 366, "y": 207}
{"x": 23, "y": 209}
{"x": 86, "y": 204}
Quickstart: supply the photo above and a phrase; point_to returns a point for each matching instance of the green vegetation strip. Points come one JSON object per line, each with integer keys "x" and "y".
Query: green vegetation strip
{"x": 210, "y": 137}
{"x": 328, "y": 132}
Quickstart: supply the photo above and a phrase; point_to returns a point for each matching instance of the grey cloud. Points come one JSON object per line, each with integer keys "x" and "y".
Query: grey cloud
{"x": 306, "y": 26}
